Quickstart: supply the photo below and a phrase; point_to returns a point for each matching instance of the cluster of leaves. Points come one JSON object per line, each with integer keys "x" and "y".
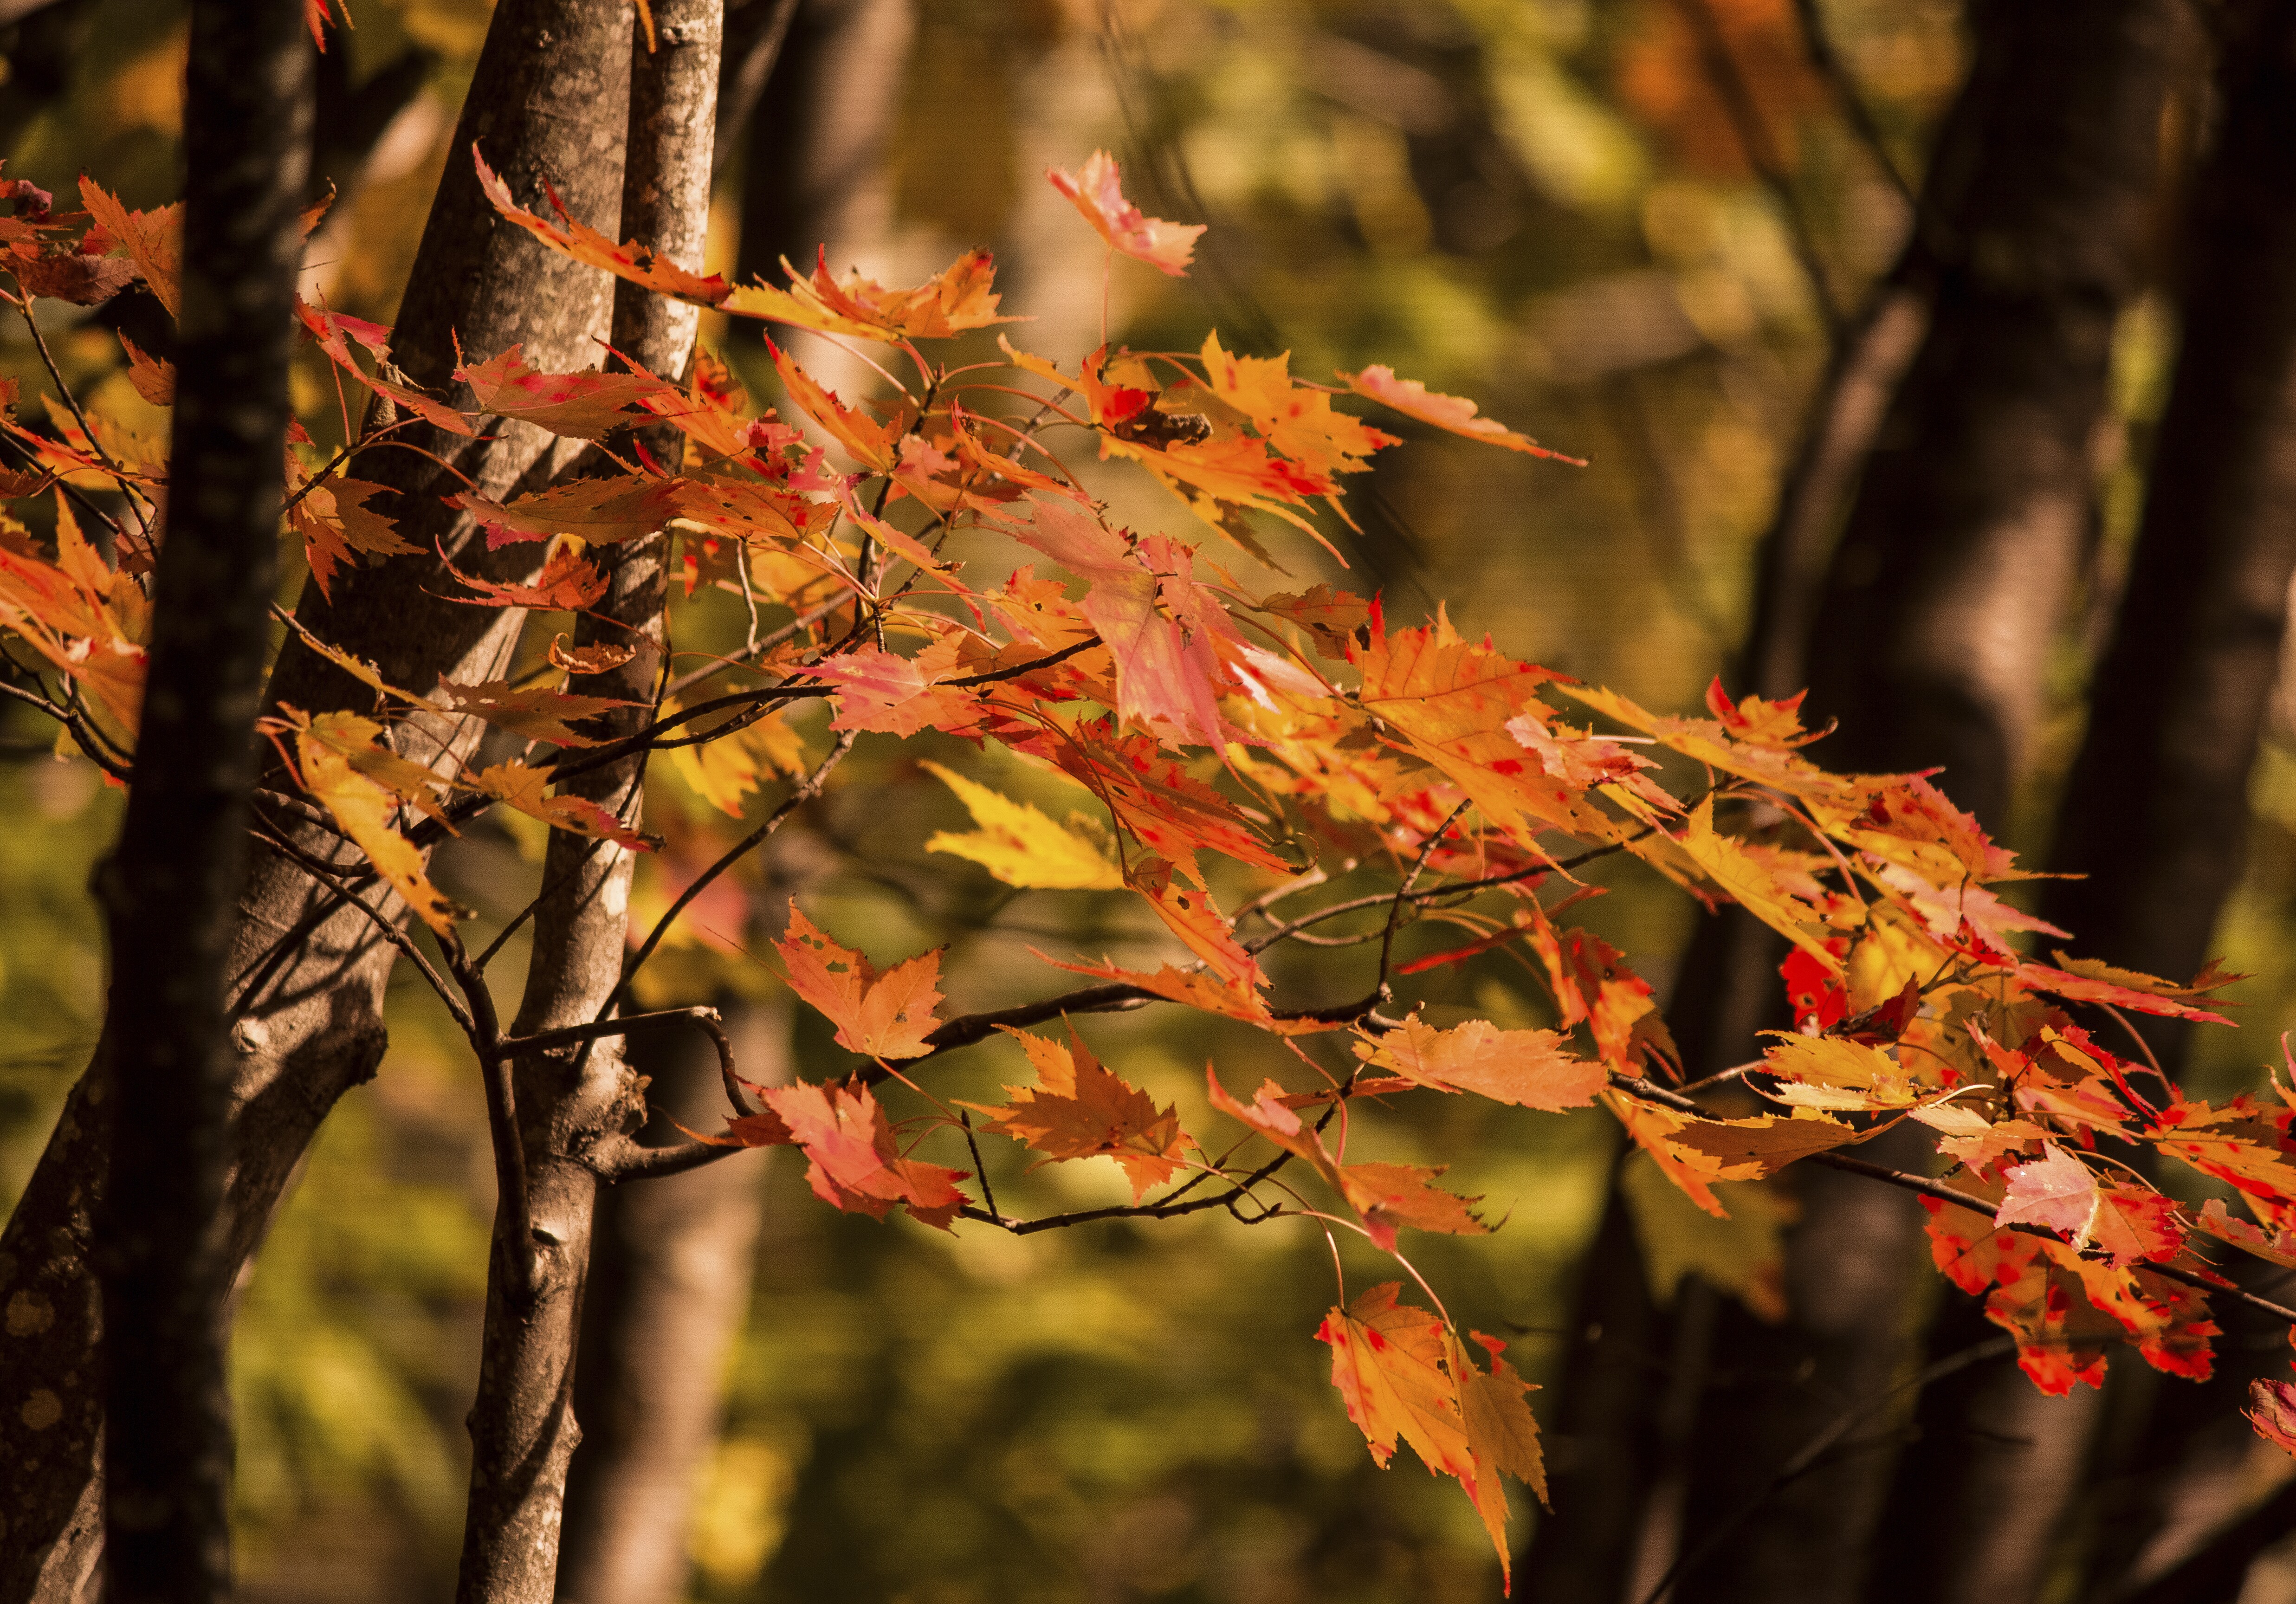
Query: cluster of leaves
{"x": 1281, "y": 741}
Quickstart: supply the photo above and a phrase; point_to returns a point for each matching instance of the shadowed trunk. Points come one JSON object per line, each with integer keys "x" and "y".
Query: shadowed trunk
{"x": 1929, "y": 641}
{"x": 2156, "y": 811}
{"x": 670, "y": 1262}
{"x": 524, "y": 1431}
{"x": 307, "y": 974}
{"x": 169, "y": 885}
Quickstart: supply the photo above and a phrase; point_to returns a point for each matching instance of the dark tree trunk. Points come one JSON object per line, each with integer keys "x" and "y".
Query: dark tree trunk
{"x": 814, "y": 172}
{"x": 2156, "y": 811}
{"x": 1930, "y": 640}
{"x": 169, "y": 885}
{"x": 522, "y": 1426}
{"x": 670, "y": 1263}
{"x": 308, "y": 982}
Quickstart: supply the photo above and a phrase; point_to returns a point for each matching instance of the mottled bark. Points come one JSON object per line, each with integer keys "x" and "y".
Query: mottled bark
{"x": 308, "y": 993}
{"x": 169, "y": 886}
{"x": 522, "y": 1426}
{"x": 1930, "y": 640}
{"x": 670, "y": 1263}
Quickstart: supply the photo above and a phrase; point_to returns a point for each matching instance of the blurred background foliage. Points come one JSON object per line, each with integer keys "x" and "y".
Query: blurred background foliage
{"x": 1544, "y": 204}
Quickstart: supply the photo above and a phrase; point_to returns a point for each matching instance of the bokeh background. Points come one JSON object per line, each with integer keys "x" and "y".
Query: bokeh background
{"x": 1543, "y": 204}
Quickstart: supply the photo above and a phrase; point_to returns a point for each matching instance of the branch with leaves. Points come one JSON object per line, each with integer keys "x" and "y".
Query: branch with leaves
{"x": 1340, "y": 780}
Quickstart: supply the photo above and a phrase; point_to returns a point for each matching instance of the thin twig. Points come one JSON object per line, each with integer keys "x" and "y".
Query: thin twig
{"x": 803, "y": 792}
{"x": 1746, "y": 114}
{"x": 1830, "y": 66}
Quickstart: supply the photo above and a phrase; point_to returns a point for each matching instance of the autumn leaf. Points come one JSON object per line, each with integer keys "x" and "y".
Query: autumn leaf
{"x": 1834, "y": 1072}
{"x": 886, "y": 1016}
{"x": 537, "y": 712}
{"x": 335, "y": 334}
{"x": 154, "y": 378}
{"x": 600, "y": 656}
{"x": 1454, "y": 413}
{"x": 1754, "y": 888}
{"x": 2136, "y": 1225}
{"x": 1388, "y": 1362}
{"x": 866, "y": 441}
{"x": 1528, "y": 1068}
{"x": 334, "y": 520}
{"x": 1080, "y": 1110}
{"x": 1019, "y": 844}
{"x": 641, "y": 265}
{"x": 952, "y": 301}
{"x": 2057, "y": 1192}
{"x": 1383, "y": 1196}
{"x": 523, "y": 788}
{"x": 324, "y": 752}
{"x": 582, "y": 406}
{"x": 2272, "y": 1410}
{"x": 725, "y": 768}
{"x": 1190, "y": 913}
{"x": 852, "y": 1163}
{"x": 566, "y": 584}
{"x": 1502, "y": 1436}
{"x": 154, "y": 239}
{"x": 1097, "y": 191}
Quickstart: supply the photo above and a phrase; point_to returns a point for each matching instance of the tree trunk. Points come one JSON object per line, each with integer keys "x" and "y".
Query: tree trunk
{"x": 545, "y": 97}
{"x": 169, "y": 886}
{"x": 2156, "y": 811}
{"x": 1929, "y": 641}
{"x": 522, "y": 1426}
{"x": 670, "y": 1263}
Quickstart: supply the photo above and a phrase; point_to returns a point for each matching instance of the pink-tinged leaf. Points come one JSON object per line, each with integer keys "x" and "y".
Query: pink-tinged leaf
{"x": 1454, "y": 413}
{"x": 334, "y": 333}
{"x": 2272, "y": 1410}
{"x": 639, "y": 263}
{"x": 853, "y": 1164}
{"x": 2057, "y": 1192}
{"x": 1098, "y": 193}
{"x": 582, "y": 406}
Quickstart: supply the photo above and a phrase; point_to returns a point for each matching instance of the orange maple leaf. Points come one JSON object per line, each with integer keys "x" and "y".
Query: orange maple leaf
{"x": 887, "y": 1016}
{"x": 1078, "y": 1109}
{"x": 1528, "y": 1068}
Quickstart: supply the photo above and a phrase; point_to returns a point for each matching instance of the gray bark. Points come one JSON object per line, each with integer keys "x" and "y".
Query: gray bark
{"x": 546, "y": 97}
{"x": 169, "y": 884}
{"x": 671, "y": 1264}
{"x": 522, "y": 1426}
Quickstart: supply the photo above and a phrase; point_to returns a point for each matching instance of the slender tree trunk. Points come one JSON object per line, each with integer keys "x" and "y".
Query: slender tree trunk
{"x": 308, "y": 982}
{"x": 170, "y": 882}
{"x": 670, "y": 1262}
{"x": 2156, "y": 811}
{"x": 522, "y": 1426}
{"x": 1930, "y": 642}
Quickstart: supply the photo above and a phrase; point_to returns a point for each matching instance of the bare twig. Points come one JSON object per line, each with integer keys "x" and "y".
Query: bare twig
{"x": 1746, "y": 114}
